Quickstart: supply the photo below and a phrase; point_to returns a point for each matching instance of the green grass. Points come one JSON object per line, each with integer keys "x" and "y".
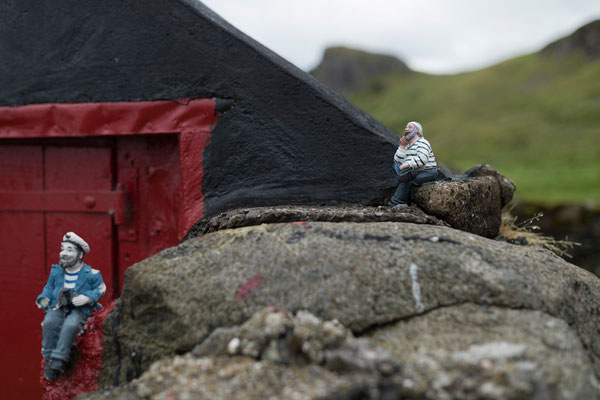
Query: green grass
{"x": 535, "y": 119}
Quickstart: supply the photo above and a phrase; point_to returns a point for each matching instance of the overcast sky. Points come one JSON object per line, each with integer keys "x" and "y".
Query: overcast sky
{"x": 443, "y": 36}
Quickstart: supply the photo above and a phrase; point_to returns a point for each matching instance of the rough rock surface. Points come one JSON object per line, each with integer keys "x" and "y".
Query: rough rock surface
{"x": 362, "y": 274}
{"x": 491, "y": 352}
{"x": 507, "y": 186}
{"x": 465, "y": 351}
{"x": 473, "y": 205}
{"x": 276, "y": 356}
{"x": 273, "y": 355}
{"x": 268, "y": 215}
{"x": 187, "y": 377}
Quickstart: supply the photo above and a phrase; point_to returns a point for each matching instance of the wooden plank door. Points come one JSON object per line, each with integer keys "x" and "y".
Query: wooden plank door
{"x": 47, "y": 190}
{"x": 22, "y": 269}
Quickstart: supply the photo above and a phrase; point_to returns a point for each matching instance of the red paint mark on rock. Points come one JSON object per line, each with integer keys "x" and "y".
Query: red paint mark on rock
{"x": 300, "y": 223}
{"x": 84, "y": 376}
{"x": 250, "y": 285}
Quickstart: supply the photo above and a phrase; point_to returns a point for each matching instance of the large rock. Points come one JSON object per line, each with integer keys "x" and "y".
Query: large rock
{"x": 472, "y": 205}
{"x": 219, "y": 378}
{"x": 507, "y": 186}
{"x": 474, "y": 351}
{"x": 274, "y": 355}
{"x": 362, "y": 274}
{"x": 467, "y": 351}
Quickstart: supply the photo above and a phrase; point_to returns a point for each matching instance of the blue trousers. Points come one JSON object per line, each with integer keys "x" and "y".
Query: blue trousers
{"x": 409, "y": 179}
{"x": 59, "y": 331}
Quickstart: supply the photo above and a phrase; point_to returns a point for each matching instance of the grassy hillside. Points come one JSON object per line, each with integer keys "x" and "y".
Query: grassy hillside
{"x": 535, "y": 118}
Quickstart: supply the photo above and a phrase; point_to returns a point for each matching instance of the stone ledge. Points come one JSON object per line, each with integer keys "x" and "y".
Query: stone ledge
{"x": 268, "y": 215}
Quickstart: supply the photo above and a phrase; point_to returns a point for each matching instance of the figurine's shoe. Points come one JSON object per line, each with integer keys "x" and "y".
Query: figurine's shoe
{"x": 58, "y": 365}
{"x": 50, "y": 373}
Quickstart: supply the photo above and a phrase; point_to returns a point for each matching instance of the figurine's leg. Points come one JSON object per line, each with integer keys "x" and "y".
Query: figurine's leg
{"x": 402, "y": 195}
{"x": 409, "y": 180}
{"x": 51, "y": 326}
{"x": 428, "y": 175}
{"x": 406, "y": 175}
{"x": 70, "y": 328}
{"x": 397, "y": 169}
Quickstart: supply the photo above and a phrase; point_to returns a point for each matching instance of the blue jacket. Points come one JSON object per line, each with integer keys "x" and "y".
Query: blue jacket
{"x": 89, "y": 283}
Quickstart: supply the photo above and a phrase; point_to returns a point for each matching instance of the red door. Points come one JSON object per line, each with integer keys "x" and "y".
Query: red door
{"x": 109, "y": 172}
{"x": 47, "y": 190}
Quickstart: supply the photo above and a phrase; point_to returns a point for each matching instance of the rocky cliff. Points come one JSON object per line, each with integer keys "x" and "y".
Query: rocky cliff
{"x": 349, "y": 71}
{"x": 585, "y": 40}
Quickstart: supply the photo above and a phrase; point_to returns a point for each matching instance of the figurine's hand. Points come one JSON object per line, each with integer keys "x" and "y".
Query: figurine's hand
{"x": 403, "y": 142}
{"x": 44, "y": 302}
{"x": 80, "y": 300}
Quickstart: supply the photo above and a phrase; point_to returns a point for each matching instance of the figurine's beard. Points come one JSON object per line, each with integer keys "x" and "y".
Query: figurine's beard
{"x": 411, "y": 135}
{"x": 67, "y": 263}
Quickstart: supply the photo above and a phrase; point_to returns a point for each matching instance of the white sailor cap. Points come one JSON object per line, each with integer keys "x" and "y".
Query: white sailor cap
{"x": 71, "y": 237}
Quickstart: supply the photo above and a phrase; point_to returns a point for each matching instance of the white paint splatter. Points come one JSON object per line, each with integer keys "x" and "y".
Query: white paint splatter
{"x": 416, "y": 289}
{"x": 233, "y": 346}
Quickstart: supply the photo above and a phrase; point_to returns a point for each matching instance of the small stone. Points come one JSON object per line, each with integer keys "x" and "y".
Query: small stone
{"x": 486, "y": 364}
{"x": 234, "y": 346}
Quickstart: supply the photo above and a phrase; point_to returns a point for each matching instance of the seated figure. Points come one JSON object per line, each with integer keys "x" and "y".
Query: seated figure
{"x": 414, "y": 163}
{"x": 71, "y": 294}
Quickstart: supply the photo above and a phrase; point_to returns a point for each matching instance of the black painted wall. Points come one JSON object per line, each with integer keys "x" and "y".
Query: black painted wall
{"x": 288, "y": 139}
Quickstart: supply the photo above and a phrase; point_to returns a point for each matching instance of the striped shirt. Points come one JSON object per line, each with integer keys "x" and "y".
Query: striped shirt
{"x": 71, "y": 278}
{"x": 419, "y": 155}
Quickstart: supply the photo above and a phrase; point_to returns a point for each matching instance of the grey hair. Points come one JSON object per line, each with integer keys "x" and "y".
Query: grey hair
{"x": 418, "y": 126}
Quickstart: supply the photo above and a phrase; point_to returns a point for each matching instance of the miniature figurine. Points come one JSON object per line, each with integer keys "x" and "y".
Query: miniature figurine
{"x": 71, "y": 294}
{"x": 414, "y": 163}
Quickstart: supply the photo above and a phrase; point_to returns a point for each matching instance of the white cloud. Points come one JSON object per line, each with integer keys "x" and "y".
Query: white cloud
{"x": 438, "y": 36}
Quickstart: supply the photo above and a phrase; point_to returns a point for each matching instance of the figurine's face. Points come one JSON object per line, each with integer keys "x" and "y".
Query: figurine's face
{"x": 69, "y": 255}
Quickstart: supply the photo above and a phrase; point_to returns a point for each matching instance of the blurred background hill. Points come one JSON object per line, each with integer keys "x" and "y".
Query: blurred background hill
{"x": 351, "y": 71}
{"x": 535, "y": 118}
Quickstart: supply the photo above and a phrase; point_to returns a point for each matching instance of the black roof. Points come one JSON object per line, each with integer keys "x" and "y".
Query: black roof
{"x": 288, "y": 139}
